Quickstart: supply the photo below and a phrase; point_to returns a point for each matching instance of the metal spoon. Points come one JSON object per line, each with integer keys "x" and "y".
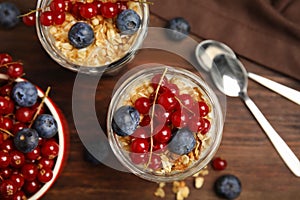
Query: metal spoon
{"x": 208, "y": 49}
{"x": 230, "y": 77}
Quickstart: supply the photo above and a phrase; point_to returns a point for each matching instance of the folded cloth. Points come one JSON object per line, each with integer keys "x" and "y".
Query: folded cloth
{"x": 264, "y": 31}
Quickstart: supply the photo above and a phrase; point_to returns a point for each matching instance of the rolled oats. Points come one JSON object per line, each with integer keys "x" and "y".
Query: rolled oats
{"x": 107, "y": 37}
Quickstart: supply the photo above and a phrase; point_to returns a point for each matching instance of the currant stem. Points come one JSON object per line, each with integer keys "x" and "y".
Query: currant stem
{"x": 181, "y": 104}
{"x": 11, "y": 63}
{"x": 40, "y": 106}
{"x": 30, "y": 12}
{"x": 152, "y": 116}
{"x": 7, "y": 132}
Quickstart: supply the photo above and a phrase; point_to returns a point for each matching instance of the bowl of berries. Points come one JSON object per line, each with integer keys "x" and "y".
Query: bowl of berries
{"x": 164, "y": 123}
{"x": 92, "y": 36}
{"x": 33, "y": 136}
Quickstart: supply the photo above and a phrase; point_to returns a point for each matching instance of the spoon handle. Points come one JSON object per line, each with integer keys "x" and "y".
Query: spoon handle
{"x": 283, "y": 90}
{"x": 282, "y": 148}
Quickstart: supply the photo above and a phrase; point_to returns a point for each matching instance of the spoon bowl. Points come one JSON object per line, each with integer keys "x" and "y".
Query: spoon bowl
{"x": 230, "y": 77}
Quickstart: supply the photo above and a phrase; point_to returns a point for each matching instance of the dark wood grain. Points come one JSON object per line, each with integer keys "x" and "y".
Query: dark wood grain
{"x": 249, "y": 153}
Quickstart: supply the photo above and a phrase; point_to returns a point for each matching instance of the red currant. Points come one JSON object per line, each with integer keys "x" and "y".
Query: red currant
{"x": 58, "y": 5}
{"x": 68, "y": 5}
{"x": 161, "y": 116}
{"x": 5, "y": 173}
{"x": 88, "y": 10}
{"x": 18, "y": 180}
{"x": 168, "y": 101}
{"x": 15, "y": 70}
{"x": 5, "y": 58}
{"x": 138, "y": 158}
{"x": 173, "y": 88}
{"x": 5, "y": 90}
{"x": 34, "y": 154}
{"x": 4, "y": 159}
{"x": 10, "y": 107}
{"x": 18, "y": 126}
{"x": 186, "y": 100}
{"x": 7, "y": 145}
{"x": 156, "y": 80}
{"x": 109, "y": 9}
{"x": 145, "y": 121}
{"x": 141, "y": 133}
{"x": 140, "y": 145}
{"x": 19, "y": 195}
{"x": 179, "y": 118}
{"x": 4, "y": 105}
{"x": 45, "y": 175}
{"x": 46, "y": 18}
{"x": 98, "y": 5}
{"x": 6, "y": 123}
{"x": 24, "y": 114}
{"x": 219, "y": 164}
{"x": 75, "y": 11}
{"x": 1, "y": 138}
{"x": 17, "y": 159}
{"x": 162, "y": 135}
{"x": 155, "y": 162}
{"x": 121, "y": 6}
{"x": 203, "y": 108}
{"x": 45, "y": 163}
{"x": 29, "y": 20}
{"x": 205, "y": 126}
{"x": 50, "y": 149}
{"x": 159, "y": 147}
{"x": 59, "y": 18}
{"x": 31, "y": 187}
{"x": 29, "y": 171}
{"x": 7, "y": 188}
{"x": 143, "y": 105}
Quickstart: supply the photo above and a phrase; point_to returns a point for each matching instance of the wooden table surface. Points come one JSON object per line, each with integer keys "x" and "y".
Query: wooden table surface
{"x": 249, "y": 153}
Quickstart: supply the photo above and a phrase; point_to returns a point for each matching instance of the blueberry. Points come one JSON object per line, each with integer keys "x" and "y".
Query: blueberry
{"x": 182, "y": 142}
{"x": 228, "y": 186}
{"x": 125, "y": 120}
{"x": 81, "y": 35}
{"x": 128, "y": 22}
{"x": 45, "y": 125}
{"x": 24, "y": 94}
{"x": 179, "y": 28}
{"x": 26, "y": 140}
{"x": 9, "y": 15}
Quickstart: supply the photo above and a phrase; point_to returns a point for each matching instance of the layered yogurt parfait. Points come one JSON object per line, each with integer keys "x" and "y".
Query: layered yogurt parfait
{"x": 92, "y": 36}
{"x": 164, "y": 123}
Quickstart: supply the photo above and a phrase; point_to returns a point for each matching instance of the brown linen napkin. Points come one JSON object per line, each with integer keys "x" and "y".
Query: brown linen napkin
{"x": 264, "y": 31}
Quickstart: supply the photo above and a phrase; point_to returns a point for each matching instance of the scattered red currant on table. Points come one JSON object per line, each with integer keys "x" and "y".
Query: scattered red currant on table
{"x": 28, "y": 147}
{"x": 219, "y": 163}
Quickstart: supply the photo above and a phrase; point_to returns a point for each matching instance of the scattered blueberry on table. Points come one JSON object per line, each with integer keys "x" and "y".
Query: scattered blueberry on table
{"x": 180, "y": 28}
{"x": 9, "y": 15}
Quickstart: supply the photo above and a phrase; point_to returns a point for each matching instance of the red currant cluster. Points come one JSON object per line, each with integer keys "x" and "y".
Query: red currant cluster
{"x": 172, "y": 111}
{"x": 58, "y": 8}
{"x": 21, "y": 174}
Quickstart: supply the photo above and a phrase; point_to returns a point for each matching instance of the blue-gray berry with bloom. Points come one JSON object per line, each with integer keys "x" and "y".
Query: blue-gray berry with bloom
{"x": 24, "y": 94}
{"x": 128, "y": 22}
{"x": 182, "y": 142}
{"x": 81, "y": 35}
{"x": 9, "y": 15}
{"x": 125, "y": 120}
{"x": 45, "y": 125}
{"x": 26, "y": 140}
